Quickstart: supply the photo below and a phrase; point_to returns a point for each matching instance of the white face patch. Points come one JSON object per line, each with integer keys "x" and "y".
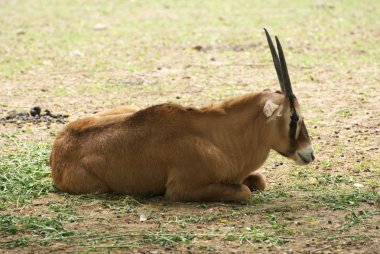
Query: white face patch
{"x": 270, "y": 108}
{"x": 298, "y": 130}
{"x": 305, "y": 155}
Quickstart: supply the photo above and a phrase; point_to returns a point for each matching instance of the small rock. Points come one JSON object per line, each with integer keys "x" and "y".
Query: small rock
{"x": 198, "y": 48}
{"x": 20, "y": 32}
{"x": 47, "y": 112}
{"x": 35, "y": 111}
{"x": 100, "y": 27}
{"x": 76, "y": 53}
{"x": 46, "y": 62}
{"x": 312, "y": 180}
{"x": 358, "y": 185}
{"x": 142, "y": 218}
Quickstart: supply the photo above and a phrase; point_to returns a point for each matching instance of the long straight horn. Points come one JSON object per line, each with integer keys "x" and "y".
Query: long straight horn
{"x": 276, "y": 61}
{"x": 287, "y": 84}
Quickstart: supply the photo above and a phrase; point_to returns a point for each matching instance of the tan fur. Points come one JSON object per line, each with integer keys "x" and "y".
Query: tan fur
{"x": 127, "y": 109}
{"x": 185, "y": 153}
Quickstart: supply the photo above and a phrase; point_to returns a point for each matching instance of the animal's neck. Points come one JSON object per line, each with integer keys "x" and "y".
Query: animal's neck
{"x": 238, "y": 127}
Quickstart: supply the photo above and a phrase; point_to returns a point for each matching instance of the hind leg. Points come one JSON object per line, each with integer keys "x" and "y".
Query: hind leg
{"x": 255, "y": 181}
{"x": 81, "y": 177}
{"x": 79, "y": 181}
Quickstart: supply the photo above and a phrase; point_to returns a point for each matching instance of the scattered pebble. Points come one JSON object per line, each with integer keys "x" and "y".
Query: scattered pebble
{"x": 100, "y": 27}
{"x": 143, "y": 218}
{"x": 46, "y": 62}
{"x": 198, "y": 48}
{"x": 34, "y": 116}
{"x": 35, "y": 111}
{"x": 20, "y": 31}
{"x": 358, "y": 185}
{"x": 76, "y": 53}
{"x": 312, "y": 180}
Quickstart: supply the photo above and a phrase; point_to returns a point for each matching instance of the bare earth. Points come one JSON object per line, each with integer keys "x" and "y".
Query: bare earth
{"x": 79, "y": 57}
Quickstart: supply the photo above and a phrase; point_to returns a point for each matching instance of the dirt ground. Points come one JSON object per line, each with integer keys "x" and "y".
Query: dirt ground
{"x": 74, "y": 58}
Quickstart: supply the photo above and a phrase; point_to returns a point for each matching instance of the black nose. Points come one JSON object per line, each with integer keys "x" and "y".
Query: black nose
{"x": 312, "y": 156}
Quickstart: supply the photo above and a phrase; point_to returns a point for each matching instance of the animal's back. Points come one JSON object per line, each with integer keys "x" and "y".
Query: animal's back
{"x": 119, "y": 153}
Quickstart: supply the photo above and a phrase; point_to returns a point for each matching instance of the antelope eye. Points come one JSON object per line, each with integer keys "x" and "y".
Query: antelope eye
{"x": 294, "y": 117}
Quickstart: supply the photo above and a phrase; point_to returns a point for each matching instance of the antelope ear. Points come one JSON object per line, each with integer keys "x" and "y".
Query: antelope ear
{"x": 270, "y": 108}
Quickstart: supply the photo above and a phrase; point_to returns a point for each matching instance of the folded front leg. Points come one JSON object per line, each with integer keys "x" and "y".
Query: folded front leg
{"x": 255, "y": 181}
{"x": 211, "y": 192}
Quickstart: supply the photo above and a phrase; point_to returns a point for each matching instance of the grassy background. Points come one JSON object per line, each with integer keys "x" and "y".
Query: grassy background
{"x": 77, "y": 57}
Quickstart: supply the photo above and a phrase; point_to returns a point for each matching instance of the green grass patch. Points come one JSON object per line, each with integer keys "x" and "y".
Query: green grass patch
{"x": 24, "y": 174}
{"x": 165, "y": 238}
{"x": 33, "y": 228}
{"x": 267, "y": 196}
{"x": 355, "y": 218}
{"x": 65, "y": 212}
{"x": 123, "y": 205}
{"x": 342, "y": 199}
{"x": 43, "y": 226}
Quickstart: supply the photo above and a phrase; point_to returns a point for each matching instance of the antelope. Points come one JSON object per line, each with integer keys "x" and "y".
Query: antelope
{"x": 184, "y": 153}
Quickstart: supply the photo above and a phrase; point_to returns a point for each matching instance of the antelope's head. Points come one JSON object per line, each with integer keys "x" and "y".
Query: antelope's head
{"x": 282, "y": 110}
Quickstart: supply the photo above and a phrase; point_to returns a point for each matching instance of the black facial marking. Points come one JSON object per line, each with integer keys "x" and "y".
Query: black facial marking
{"x": 293, "y": 127}
{"x": 293, "y": 120}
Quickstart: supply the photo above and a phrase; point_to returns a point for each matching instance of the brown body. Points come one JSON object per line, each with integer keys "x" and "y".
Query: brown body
{"x": 186, "y": 153}
{"x": 189, "y": 154}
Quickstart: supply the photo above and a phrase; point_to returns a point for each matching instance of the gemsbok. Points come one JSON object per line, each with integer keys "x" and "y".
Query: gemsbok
{"x": 185, "y": 153}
